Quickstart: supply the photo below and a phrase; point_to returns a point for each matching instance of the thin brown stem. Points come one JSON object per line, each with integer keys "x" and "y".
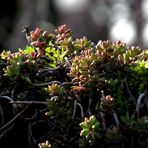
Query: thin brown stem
{"x": 2, "y": 115}
{"x": 103, "y": 120}
{"x": 13, "y": 119}
{"x": 5, "y": 99}
{"x": 81, "y": 108}
{"x": 141, "y": 96}
{"x": 129, "y": 91}
{"x": 29, "y": 102}
{"x": 74, "y": 109}
{"x": 52, "y": 82}
{"x": 116, "y": 119}
{"x": 7, "y": 130}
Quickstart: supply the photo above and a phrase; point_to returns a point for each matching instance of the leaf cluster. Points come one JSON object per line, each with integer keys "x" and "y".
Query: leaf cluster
{"x": 91, "y": 94}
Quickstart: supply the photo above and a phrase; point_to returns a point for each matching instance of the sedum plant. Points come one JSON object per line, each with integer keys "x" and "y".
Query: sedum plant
{"x": 69, "y": 92}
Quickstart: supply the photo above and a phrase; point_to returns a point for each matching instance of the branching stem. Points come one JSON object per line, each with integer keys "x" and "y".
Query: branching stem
{"x": 141, "y": 96}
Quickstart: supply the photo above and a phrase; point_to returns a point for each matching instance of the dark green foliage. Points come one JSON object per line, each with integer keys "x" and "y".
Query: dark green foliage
{"x": 86, "y": 95}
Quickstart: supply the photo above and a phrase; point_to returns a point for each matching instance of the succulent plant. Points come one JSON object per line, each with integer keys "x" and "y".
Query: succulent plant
{"x": 90, "y": 129}
{"x": 69, "y": 92}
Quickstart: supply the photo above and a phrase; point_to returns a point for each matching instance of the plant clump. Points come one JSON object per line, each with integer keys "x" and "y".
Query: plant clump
{"x": 68, "y": 92}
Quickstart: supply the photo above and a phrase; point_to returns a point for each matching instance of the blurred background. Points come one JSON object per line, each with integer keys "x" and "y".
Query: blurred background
{"x": 124, "y": 20}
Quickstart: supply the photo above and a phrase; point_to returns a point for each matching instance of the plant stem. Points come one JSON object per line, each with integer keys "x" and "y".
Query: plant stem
{"x": 129, "y": 91}
{"x": 29, "y": 102}
{"x": 13, "y": 119}
{"x": 141, "y": 96}
{"x": 116, "y": 119}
